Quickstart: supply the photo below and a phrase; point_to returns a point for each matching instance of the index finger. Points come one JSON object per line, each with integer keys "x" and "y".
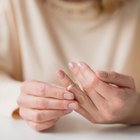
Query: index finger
{"x": 65, "y": 80}
{"x": 80, "y": 95}
{"x": 115, "y": 78}
{"x": 41, "y": 89}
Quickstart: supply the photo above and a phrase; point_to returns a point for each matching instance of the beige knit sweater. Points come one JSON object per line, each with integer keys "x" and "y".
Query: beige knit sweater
{"x": 38, "y": 37}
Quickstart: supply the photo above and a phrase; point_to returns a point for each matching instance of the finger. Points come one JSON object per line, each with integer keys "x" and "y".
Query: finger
{"x": 80, "y": 96}
{"x": 86, "y": 77}
{"x": 117, "y": 79}
{"x": 40, "y": 116}
{"x": 87, "y": 115}
{"x": 64, "y": 78}
{"x": 42, "y": 126}
{"x": 66, "y": 81}
{"x": 34, "y": 102}
{"x": 90, "y": 83}
{"x": 83, "y": 73}
{"x": 41, "y": 89}
{"x": 87, "y": 105}
{"x": 97, "y": 98}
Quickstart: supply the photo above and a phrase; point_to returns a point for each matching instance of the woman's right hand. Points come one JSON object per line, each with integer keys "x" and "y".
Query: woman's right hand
{"x": 42, "y": 104}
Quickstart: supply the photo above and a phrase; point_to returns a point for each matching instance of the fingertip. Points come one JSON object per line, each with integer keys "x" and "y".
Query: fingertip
{"x": 68, "y": 96}
{"x": 84, "y": 66}
{"x": 60, "y": 74}
{"x": 71, "y": 65}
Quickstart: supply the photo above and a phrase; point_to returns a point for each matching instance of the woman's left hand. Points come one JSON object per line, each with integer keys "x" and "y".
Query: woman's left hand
{"x": 108, "y": 97}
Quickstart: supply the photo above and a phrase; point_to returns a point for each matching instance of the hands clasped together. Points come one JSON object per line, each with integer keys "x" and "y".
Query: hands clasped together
{"x": 101, "y": 97}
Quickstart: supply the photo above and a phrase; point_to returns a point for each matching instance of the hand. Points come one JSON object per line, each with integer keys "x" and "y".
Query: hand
{"x": 80, "y": 96}
{"x": 42, "y": 104}
{"x": 113, "y": 95}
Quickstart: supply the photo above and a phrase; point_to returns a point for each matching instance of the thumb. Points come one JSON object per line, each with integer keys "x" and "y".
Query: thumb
{"x": 116, "y": 79}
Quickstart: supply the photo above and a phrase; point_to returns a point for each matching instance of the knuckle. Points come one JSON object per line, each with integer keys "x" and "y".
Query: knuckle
{"x": 31, "y": 86}
{"x": 59, "y": 94}
{"x": 41, "y": 103}
{"x": 44, "y": 90}
{"x": 93, "y": 83}
{"x": 113, "y": 75}
{"x": 119, "y": 104}
{"x": 56, "y": 92}
{"x": 24, "y": 84}
{"x": 38, "y": 117}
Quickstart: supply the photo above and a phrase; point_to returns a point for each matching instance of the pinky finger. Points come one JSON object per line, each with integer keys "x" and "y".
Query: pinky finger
{"x": 42, "y": 126}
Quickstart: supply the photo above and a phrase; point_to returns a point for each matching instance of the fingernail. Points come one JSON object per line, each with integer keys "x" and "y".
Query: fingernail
{"x": 71, "y": 65}
{"x": 72, "y": 106}
{"x": 67, "y": 111}
{"x": 60, "y": 74}
{"x": 102, "y": 74}
{"x": 69, "y": 96}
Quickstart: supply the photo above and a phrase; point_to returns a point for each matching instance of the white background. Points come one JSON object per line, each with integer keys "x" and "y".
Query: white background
{"x": 71, "y": 127}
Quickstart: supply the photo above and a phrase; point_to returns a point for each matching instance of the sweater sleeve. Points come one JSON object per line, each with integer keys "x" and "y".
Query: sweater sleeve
{"x": 9, "y": 85}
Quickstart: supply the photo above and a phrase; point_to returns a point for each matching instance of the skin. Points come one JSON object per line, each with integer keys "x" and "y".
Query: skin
{"x": 107, "y": 97}
{"x": 39, "y": 102}
{"x": 103, "y": 97}
{"x": 41, "y": 105}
